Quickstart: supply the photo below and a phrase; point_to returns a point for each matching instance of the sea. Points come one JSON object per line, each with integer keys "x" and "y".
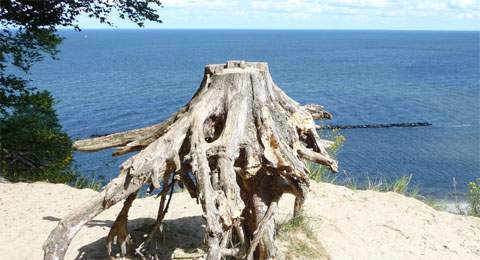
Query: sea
{"x": 107, "y": 81}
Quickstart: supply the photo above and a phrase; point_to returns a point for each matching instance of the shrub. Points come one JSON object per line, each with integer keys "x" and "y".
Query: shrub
{"x": 474, "y": 198}
{"x": 33, "y": 146}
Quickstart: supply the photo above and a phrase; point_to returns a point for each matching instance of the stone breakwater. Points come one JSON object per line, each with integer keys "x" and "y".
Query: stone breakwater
{"x": 412, "y": 124}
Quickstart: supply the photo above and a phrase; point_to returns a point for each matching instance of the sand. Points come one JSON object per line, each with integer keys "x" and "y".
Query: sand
{"x": 346, "y": 224}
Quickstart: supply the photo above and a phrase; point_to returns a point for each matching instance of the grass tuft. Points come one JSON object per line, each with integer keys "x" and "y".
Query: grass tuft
{"x": 300, "y": 240}
{"x": 82, "y": 182}
{"x": 298, "y": 223}
{"x": 320, "y": 173}
{"x": 434, "y": 203}
{"x": 401, "y": 185}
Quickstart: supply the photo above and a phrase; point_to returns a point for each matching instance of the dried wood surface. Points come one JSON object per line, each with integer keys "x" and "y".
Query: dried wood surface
{"x": 237, "y": 146}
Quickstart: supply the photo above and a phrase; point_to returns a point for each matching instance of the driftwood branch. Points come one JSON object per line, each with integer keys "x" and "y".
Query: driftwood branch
{"x": 237, "y": 146}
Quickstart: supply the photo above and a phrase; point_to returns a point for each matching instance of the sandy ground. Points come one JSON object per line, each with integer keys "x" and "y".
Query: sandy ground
{"x": 346, "y": 224}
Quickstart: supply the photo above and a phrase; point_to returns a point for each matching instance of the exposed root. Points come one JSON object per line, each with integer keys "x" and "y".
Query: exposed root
{"x": 237, "y": 146}
{"x": 118, "y": 189}
{"x": 149, "y": 248}
{"x": 119, "y": 232}
{"x": 262, "y": 227}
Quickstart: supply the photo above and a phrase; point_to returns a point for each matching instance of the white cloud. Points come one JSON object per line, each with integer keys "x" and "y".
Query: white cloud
{"x": 302, "y": 8}
{"x": 464, "y": 3}
{"x": 364, "y": 3}
{"x": 430, "y": 6}
{"x": 188, "y": 4}
{"x": 312, "y": 5}
{"x": 286, "y": 6}
{"x": 444, "y": 8}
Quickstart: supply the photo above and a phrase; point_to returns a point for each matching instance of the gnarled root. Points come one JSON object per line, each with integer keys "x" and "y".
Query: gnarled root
{"x": 119, "y": 232}
{"x": 237, "y": 146}
{"x": 149, "y": 248}
{"x": 264, "y": 235}
{"x": 55, "y": 247}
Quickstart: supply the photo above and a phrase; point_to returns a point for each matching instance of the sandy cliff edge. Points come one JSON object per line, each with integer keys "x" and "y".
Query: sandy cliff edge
{"x": 347, "y": 224}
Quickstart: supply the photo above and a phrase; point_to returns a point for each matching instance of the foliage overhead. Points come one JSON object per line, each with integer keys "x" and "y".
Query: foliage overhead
{"x": 28, "y": 32}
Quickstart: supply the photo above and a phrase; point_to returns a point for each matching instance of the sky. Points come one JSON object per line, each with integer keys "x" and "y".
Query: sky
{"x": 311, "y": 14}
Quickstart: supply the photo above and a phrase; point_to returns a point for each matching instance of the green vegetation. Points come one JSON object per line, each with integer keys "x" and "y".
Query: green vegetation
{"x": 401, "y": 184}
{"x": 320, "y": 173}
{"x": 33, "y": 146}
{"x": 474, "y": 198}
{"x": 300, "y": 239}
{"x": 297, "y": 223}
{"x": 82, "y": 182}
{"x": 433, "y": 202}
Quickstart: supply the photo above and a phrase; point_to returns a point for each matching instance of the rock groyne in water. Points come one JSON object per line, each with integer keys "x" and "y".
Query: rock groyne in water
{"x": 413, "y": 124}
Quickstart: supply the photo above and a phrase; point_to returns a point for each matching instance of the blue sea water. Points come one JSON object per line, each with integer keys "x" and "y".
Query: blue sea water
{"x": 114, "y": 80}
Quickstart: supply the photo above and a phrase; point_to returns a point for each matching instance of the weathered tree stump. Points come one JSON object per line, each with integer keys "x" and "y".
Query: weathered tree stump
{"x": 237, "y": 146}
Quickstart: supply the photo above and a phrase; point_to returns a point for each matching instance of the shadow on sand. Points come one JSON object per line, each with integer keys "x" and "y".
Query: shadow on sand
{"x": 183, "y": 233}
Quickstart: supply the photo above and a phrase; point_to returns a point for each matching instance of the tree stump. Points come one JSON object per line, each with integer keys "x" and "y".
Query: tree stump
{"x": 237, "y": 146}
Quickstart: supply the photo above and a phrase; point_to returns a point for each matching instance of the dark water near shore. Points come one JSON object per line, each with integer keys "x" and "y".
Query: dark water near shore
{"x": 108, "y": 81}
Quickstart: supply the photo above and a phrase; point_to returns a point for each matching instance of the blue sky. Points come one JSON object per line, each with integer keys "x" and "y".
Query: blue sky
{"x": 311, "y": 14}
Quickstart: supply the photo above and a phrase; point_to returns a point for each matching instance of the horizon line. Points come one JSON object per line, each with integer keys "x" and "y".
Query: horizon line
{"x": 269, "y": 29}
